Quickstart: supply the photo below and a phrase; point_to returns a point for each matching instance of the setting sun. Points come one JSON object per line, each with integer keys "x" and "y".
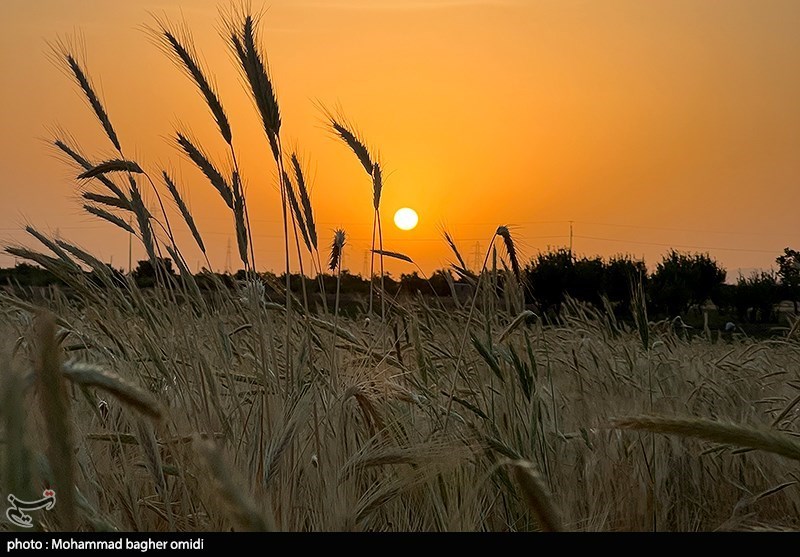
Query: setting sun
{"x": 406, "y": 219}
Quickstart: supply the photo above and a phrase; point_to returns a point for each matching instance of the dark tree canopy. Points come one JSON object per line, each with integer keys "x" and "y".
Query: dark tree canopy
{"x": 682, "y": 280}
{"x": 789, "y": 275}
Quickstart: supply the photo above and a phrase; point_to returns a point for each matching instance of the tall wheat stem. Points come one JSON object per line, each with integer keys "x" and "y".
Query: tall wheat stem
{"x": 380, "y": 244}
{"x": 372, "y": 263}
{"x": 463, "y": 343}
{"x": 246, "y": 215}
{"x": 284, "y": 203}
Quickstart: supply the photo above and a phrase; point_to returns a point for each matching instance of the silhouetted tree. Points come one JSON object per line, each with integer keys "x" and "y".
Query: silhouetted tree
{"x": 789, "y": 275}
{"x": 755, "y": 297}
{"x": 684, "y": 280}
{"x": 117, "y": 277}
{"x": 724, "y": 298}
{"x": 351, "y": 284}
{"x": 547, "y": 278}
{"x": 390, "y": 284}
{"x": 707, "y": 275}
{"x": 145, "y": 274}
{"x": 586, "y": 280}
{"x": 552, "y": 276}
{"x": 28, "y": 275}
{"x": 440, "y": 283}
{"x": 620, "y": 272}
{"x": 413, "y": 283}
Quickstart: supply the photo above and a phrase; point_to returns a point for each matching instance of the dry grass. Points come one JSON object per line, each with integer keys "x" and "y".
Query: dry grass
{"x": 367, "y": 459}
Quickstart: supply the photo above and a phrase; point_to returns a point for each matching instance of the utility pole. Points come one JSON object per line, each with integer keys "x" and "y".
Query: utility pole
{"x": 570, "y": 241}
{"x": 228, "y": 257}
{"x": 366, "y": 263}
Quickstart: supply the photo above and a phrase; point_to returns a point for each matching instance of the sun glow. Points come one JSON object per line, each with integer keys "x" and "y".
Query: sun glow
{"x": 406, "y": 219}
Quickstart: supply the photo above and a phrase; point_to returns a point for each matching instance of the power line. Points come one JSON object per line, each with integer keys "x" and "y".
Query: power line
{"x": 673, "y": 245}
{"x": 22, "y": 229}
{"x": 673, "y": 229}
{"x": 365, "y": 239}
{"x": 590, "y": 223}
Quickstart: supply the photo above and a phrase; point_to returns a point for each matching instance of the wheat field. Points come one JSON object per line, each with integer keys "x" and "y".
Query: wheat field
{"x": 193, "y": 407}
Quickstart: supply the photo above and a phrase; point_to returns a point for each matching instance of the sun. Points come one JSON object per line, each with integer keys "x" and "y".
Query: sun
{"x": 406, "y": 219}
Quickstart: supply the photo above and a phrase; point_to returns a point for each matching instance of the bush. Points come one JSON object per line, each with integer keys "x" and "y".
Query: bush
{"x": 755, "y": 297}
{"x": 684, "y": 280}
{"x": 789, "y": 275}
{"x": 554, "y": 275}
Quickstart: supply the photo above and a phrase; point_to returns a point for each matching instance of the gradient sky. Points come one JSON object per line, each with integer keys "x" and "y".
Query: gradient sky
{"x": 648, "y": 124}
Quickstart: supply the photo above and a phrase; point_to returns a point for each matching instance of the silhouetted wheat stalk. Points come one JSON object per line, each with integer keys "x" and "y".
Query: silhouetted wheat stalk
{"x": 343, "y": 131}
{"x": 177, "y": 42}
{"x": 63, "y": 55}
{"x": 310, "y": 228}
{"x": 241, "y": 29}
{"x": 503, "y": 232}
{"x": 335, "y": 265}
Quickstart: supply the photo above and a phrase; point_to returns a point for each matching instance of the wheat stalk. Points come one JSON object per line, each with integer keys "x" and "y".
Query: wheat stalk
{"x": 206, "y": 167}
{"x": 352, "y": 140}
{"x": 239, "y": 503}
{"x": 143, "y": 220}
{"x": 393, "y": 255}
{"x": 187, "y": 215}
{"x": 89, "y": 375}
{"x": 450, "y": 242}
{"x": 536, "y": 495}
{"x": 242, "y": 34}
{"x": 52, "y": 246}
{"x": 763, "y": 439}
{"x": 55, "y": 408}
{"x": 110, "y": 217}
{"x": 518, "y": 320}
{"x": 334, "y": 262}
{"x": 112, "y": 165}
{"x": 62, "y": 54}
{"x": 179, "y": 45}
{"x": 239, "y": 218}
{"x": 297, "y": 211}
{"x": 305, "y": 200}
{"x": 81, "y": 161}
{"x": 311, "y": 228}
{"x": 96, "y": 265}
{"x": 505, "y": 234}
{"x": 108, "y": 200}
{"x": 153, "y": 462}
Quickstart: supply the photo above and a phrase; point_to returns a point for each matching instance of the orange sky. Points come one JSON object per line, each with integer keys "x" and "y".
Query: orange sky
{"x": 648, "y": 124}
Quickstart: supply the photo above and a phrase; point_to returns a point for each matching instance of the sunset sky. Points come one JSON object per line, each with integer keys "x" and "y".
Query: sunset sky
{"x": 647, "y": 124}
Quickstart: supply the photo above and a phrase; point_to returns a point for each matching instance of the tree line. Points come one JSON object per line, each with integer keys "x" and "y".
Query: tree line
{"x": 681, "y": 282}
